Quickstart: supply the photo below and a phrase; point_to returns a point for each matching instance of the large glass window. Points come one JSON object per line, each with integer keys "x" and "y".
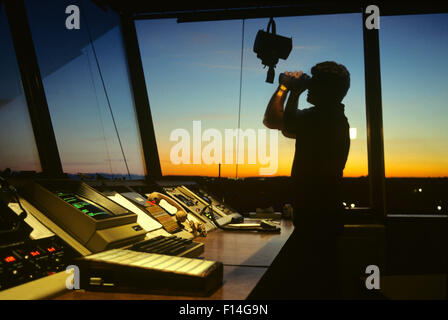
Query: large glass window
{"x": 315, "y": 39}
{"x": 414, "y": 87}
{"x": 85, "y": 77}
{"x": 17, "y": 146}
{"x": 193, "y": 73}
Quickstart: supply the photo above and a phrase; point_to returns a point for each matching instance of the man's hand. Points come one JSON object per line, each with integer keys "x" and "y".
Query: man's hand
{"x": 292, "y": 81}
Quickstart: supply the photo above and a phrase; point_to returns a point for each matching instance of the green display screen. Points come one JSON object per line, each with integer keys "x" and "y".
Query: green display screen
{"x": 84, "y": 205}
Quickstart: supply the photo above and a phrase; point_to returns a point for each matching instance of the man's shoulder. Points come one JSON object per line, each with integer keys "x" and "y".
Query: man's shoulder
{"x": 308, "y": 111}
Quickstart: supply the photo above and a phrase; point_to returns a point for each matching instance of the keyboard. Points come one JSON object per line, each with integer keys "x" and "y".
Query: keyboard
{"x": 172, "y": 246}
{"x": 121, "y": 270}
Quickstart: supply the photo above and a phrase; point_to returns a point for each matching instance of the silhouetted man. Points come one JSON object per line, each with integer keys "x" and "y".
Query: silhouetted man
{"x": 308, "y": 263}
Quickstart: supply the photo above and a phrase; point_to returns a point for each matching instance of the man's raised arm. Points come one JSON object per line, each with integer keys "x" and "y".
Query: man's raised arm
{"x": 273, "y": 117}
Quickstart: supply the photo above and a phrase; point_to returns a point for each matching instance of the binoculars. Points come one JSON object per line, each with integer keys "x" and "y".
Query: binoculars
{"x": 302, "y": 82}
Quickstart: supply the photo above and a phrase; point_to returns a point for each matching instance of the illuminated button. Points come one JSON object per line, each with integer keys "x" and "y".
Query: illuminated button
{"x": 10, "y": 259}
{"x": 51, "y": 249}
{"x": 108, "y": 284}
{"x": 35, "y": 253}
{"x": 95, "y": 281}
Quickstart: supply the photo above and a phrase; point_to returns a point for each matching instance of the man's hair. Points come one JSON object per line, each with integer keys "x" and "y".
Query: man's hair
{"x": 333, "y": 77}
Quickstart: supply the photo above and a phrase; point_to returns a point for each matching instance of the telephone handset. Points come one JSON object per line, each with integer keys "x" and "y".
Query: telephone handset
{"x": 170, "y": 205}
{"x": 12, "y": 227}
{"x": 169, "y": 223}
{"x": 174, "y": 208}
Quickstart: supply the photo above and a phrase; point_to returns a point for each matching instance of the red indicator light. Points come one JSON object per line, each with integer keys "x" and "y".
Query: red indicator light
{"x": 10, "y": 259}
{"x": 35, "y": 253}
{"x": 51, "y": 249}
{"x": 151, "y": 202}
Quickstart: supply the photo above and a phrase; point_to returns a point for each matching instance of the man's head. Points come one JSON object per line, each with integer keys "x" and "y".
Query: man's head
{"x": 329, "y": 83}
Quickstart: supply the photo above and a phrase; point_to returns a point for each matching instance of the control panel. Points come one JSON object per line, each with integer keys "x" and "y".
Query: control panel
{"x": 27, "y": 255}
{"x": 220, "y": 206}
{"x": 198, "y": 208}
{"x": 91, "y": 218}
{"x": 33, "y": 259}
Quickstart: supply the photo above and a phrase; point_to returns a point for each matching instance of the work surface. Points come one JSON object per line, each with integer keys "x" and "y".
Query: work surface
{"x": 245, "y": 255}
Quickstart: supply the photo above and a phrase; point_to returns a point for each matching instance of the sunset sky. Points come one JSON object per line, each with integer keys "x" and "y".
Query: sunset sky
{"x": 193, "y": 69}
{"x": 200, "y": 64}
{"x": 192, "y": 72}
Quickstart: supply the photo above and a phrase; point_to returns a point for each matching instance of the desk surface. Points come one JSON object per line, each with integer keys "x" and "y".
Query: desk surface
{"x": 245, "y": 255}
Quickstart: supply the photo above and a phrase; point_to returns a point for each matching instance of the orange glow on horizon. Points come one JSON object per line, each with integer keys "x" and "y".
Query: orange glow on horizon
{"x": 356, "y": 167}
{"x": 352, "y": 170}
{"x": 397, "y": 164}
